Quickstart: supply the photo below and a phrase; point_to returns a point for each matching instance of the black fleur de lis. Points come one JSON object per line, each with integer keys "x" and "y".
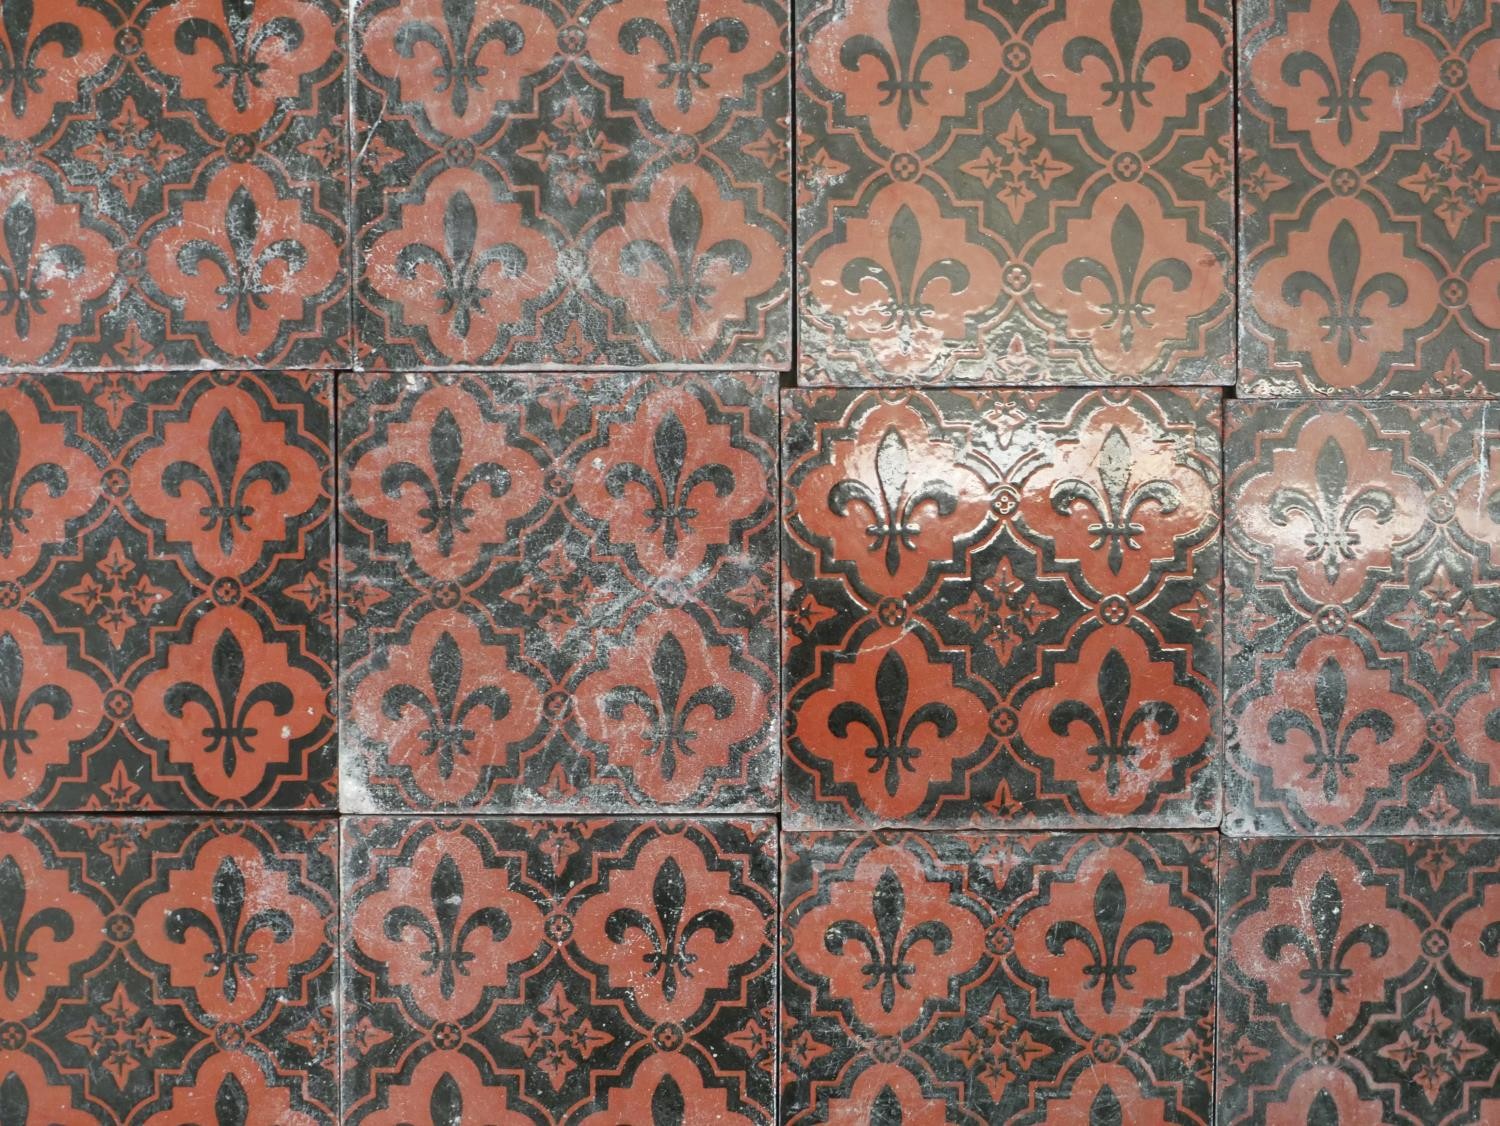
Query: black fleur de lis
{"x": 231, "y": 1104}
{"x": 240, "y": 66}
{"x": 905, "y": 306}
{"x": 16, "y": 955}
{"x": 228, "y": 732}
{"x": 1115, "y": 503}
{"x": 448, "y": 732}
{"x": 1106, "y": 1110}
{"x": 22, "y": 292}
{"x": 683, "y": 45}
{"x": 671, "y": 512}
{"x": 668, "y": 934}
{"x": 445, "y": 1106}
{"x": 1333, "y": 510}
{"x": 1489, "y": 937}
{"x": 1108, "y": 944}
{"x": 19, "y": 73}
{"x": 886, "y": 1109}
{"x": 890, "y": 948}
{"x": 1331, "y": 759}
{"x": 1345, "y": 100}
{"x": 461, "y": 295}
{"x": 668, "y": 714}
{"x": 668, "y": 1107}
{"x": 15, "y": 1102}
{"x": 447, "y": 511}
{"x": 1323, "y": 1110}
{"x": 458, "y": 69}
{"x": 1117, "y": 737}
{"x": 225, "y": 508}
{"x": 894, "y": 502}
{"x": 228, "y": 931}
{"x": 243, "y": 268}
{"x": 1345, "y": 321}
{"x": 445, "y": 927}
{"x": 1324, "y": 950}
{"x": 684, "y": 266}
{"x": 893, "y": 731}
{"x": 1127, "y": 283}
{"x": 1127, "y": 85}
{"x": 904, "y": 83}
{"x": 15, "y": 712}
{"x": 14, "y": 485}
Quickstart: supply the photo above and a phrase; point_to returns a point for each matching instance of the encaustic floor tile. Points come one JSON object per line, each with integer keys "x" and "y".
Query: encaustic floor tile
{"x": 1003, "y": 192}
{"x": 933, "y": 978}
{"x": 165, "y": 572}
{"x": 559, "y": 594}
{"x": 173, "y": 184}
{"x": 1357, "y": 981}
{"x": 1362, "y": 684}
{"x": 168, "y": 970}
{"x": 528, "y": 973}
{"x": 1001, "y": 607}
{"x": 1368, "y": 135}
{"x": 574, "y": 184}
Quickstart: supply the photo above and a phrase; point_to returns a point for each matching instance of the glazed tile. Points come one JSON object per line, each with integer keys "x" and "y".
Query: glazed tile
{"x": 167, "y": 970}
{"x": 589, "y": 972}
{"x": 559, "y": 593}
{"x": 174, "y": 186}
{"x": 1357, "y": 981}
{"x": 166, "y": 620}
{"x": 1368, "y": 136}
{"x": 578, "y": 184}
{"x": 1363, "y": 590}
{"x": 1001, "y": 607}
{"x": 1015, "y": 192}
{"x": 976, "y": 978}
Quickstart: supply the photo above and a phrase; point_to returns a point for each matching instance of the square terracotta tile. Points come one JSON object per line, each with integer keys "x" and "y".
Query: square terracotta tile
{"x": 166, "y": 622}
{"x": 559, "y": 593}
{"x": 1363, "y": 680}
{"x": 168, "y": 970}
{"x": 174, "y": 184}
{"x": 530, "y": 972}
{"x": 1015, "y": 191}
{"x": 578, "y": 184}
{"x": 1002, "y": 607}
{"x": 1370, "y": 136}
{"x": 1357, "y": 983}
{"x": 932, "y": 978}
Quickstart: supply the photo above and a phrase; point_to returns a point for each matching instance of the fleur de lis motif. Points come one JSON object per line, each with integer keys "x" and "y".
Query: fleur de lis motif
{"x": 904, "y": 307}
{"x": 1324, "y": 950}
{"x": 19, "y": 73}
{"x": 1323, "y": 1110}
{"x": 1127, "y": 85}
{"x": 15, "y": 735}
{"x": 225, "y": 508}
{"x": 1116, "y": 736}
{"x": 1345, "y": 320}
{"x": 1117, "y": 505}
{"x": 1489, "y": 937}
{"x": 1333, "y": 511}
{"x": 669, "y": 958}
{"x": 228, "y": 732}
{"x": 14, "y": 511}
{"x": 683, "y": 46}
{"x": 16, "y": 955}
{"x": 1109, "y": 944}
{"x": 668, "y": 1107}
{"x": 903, "y": 82}
{"x": 1331, "y": 758}
{"x": 447, "y": 511}
{"x": 240, "y": 66}
{"x": 685, "y": 267}
{"x": 890, "y": 948}
{"x": 1106, "y": 1110}
{"x": 893, "y": 731}
{"x": 458, "y": 69}
{"x": 1345, "y": 100}
{"x": 669, "y": 734}
{"x": 1127, "y": 284}
{"x": 22, "y": 293}
{"x": 461, "y": 295}
{"x": 670, "y": 491}
{"x": 447, "y": 938}
{"x": 448, "y": 732}
{"x": 886, "y": 1109}
{"x": 231, "y": 1104}
{"x": 15, "y": 1102}
{"x": 894, "y": 502}
{"x": 229, "y": 932}
{"x": 243, "y": 268}
{"x": 446, "y": 1104}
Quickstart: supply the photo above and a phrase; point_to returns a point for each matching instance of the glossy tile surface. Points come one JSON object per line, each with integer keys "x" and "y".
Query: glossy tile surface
{"x": 1368, "y": 134}
{"x": 1019, "y": 193}
{"x": 978, "y": 978}
{"x": 173, "y": 184}
{"x": 577, "y": 184}
{"x": 589, "y": 972}
{"x": 1363, "y": 618}
{"x": 165, "y": 592}
{"x": 167, "y": 970}
{"x": 1001, "y": 607}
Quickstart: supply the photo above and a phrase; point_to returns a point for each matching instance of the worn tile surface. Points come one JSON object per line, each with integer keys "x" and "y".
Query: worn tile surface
{"x": 1368, "y": 192}
{"x": 1015, "y": 192}
{"x": 165, "y": 568}
{"x": 1363, "y": 592}
{"x": 167, "y": 970}
{"x": 559, "y": 593}
{"x": 173, "y": 184}
{"x": 579, "y": 183}
{"x": 979, "y": 978}
{"x": 590, "y": 972}
{"x": 1357, "y": 981}
{"x": 1001, "y": 607}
